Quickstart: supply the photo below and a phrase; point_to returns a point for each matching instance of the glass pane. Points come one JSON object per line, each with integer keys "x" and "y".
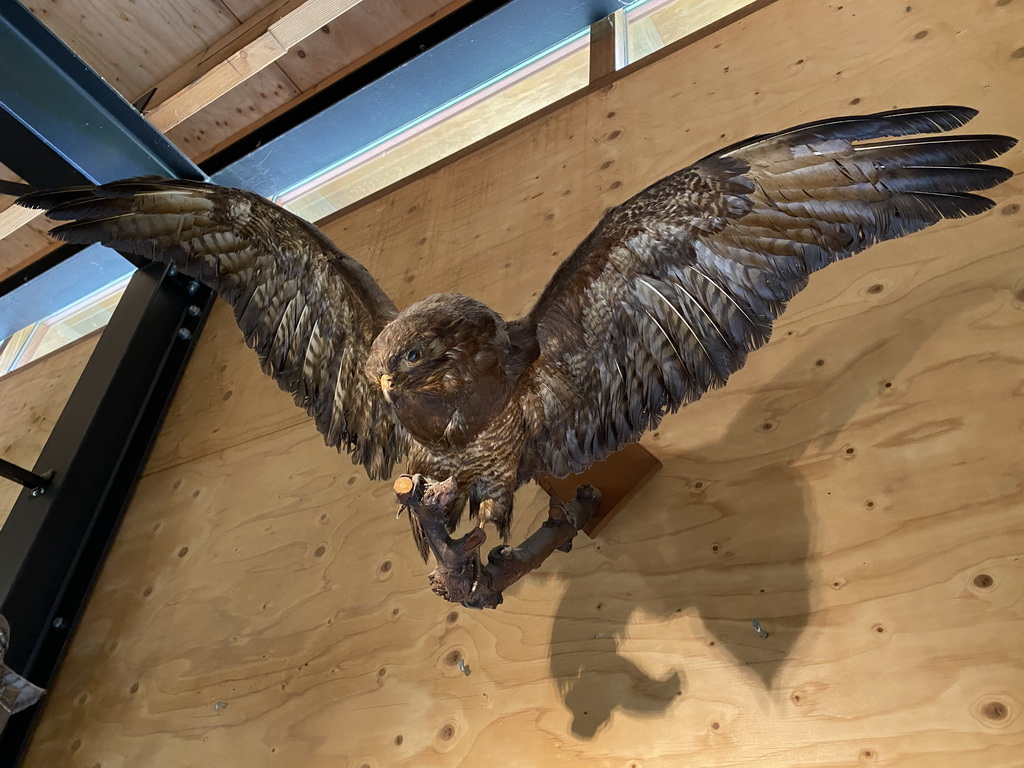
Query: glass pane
{"x": 531, "y": 86}
{"x": 61, "y": 305}
{"x": 656, "y": 23}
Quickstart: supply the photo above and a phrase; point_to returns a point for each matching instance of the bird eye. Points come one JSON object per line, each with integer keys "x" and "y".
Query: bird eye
{"x": 412, "y": 355}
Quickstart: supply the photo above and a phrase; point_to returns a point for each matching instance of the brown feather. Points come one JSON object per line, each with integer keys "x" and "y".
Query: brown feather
{"x": 660, "y": 303}
{"x": 308, "y": 310}
{"x": 688, "y": 276}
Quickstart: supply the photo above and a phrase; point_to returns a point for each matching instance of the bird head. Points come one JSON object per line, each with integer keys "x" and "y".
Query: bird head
{"x": 441, "y": 365}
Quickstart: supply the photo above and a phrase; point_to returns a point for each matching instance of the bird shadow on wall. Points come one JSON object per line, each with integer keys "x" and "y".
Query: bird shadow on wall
{"x": 735, "y": 545}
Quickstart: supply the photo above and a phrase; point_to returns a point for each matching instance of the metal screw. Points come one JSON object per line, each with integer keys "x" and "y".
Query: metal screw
{"x": 172, "y": 270}
{"x": 193, "y": 310}
{"x": 757, "y": 628}
{"x": 58, "y": 623}
{"x": 37, "y": 492}
{"x": 184, "y": 334}
{"x": 193, "y": 288}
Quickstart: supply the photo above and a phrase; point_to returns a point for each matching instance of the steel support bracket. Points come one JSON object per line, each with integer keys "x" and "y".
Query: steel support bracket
{"x": 60, "y": 123}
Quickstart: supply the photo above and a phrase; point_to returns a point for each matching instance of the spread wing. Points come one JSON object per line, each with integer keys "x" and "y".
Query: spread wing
{"x": 308, "y": 310}
{"x": 665, "y": 298}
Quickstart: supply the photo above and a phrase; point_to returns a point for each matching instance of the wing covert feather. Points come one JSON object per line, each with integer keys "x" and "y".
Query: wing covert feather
{"x": 308, "y": 310}
{"x": 672, "y": 290}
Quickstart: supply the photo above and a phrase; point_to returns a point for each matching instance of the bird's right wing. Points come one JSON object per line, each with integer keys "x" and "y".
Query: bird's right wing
{"x": 309, "y": 311}
{"x": 665, "y": 298}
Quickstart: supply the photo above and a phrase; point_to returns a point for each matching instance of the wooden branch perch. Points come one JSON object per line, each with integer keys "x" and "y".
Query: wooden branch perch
{"x": 460, "y": 576}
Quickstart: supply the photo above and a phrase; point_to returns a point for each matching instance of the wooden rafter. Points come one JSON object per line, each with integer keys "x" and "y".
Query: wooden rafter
{"x": 231, "y": 66}
{"x": 14, "y": 217}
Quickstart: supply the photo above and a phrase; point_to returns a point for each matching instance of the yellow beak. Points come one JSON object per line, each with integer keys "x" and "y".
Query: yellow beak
{"x": 387, "y": 383}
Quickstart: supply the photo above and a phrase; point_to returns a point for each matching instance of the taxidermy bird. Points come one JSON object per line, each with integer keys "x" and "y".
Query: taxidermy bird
{"x": 659, "y": 304}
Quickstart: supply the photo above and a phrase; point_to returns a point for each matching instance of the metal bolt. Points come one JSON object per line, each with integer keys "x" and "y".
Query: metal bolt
{"x": 184, "y": 334}
{"x": 58, "y": 623}
{"x": 757, "y": 628}
{"x": 172, "y": 270}
{"x": 193, "y": 310}
{"x": 37, "y": 492}
{"x": 193, "y": 288}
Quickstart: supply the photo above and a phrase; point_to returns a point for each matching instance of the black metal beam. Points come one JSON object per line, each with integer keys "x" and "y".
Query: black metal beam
{"x": 70, "y": 126}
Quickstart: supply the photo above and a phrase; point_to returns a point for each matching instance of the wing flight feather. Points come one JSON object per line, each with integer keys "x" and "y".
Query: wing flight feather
{"x": 308, "y": 310}
{"x": 667, "y": 296}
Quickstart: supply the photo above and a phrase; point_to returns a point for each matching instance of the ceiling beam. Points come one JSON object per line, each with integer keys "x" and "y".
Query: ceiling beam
{"x": 14, "y": 217}
{"x": 239, "y": 37}
{"x": 233, "y": 65}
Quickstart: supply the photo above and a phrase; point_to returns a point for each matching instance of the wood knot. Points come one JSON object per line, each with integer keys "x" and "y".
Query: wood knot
{"x": 983, "y": 581}
{"x": 995, "y": 710}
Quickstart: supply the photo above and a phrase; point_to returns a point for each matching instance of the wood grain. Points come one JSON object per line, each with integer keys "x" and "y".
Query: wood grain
{"x": 255, "y": 24}
{"x": 19, "y": 244}
{"x": 153, "y": 35}
{"x": 369, "y": 28}
{"x": 620, "y": 477}
{"x": 608, "y": 43}
{"x": 138, "y": 45}
{"x": 242, "y": 63}
{"x": 33, "y": 398}
{"x": 856, "y": 488}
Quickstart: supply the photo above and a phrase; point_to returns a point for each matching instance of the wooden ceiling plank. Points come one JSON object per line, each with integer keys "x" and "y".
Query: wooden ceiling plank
{"x": 292, "y": 29}
{"x": 14, "y": 217}
{"x": 304, "y": 21}
{"x": 343, "y": 71}
{"x": 249, "y": 31}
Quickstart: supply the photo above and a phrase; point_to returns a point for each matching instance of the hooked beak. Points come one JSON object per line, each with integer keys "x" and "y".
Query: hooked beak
{"x": 387, "y": 383}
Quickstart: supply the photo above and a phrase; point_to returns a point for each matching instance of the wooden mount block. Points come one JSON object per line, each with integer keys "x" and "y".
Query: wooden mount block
{"x": 619, "y": 478}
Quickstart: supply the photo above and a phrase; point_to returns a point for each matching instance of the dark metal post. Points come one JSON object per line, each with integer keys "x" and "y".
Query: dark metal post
{"x": 60, "y": 124}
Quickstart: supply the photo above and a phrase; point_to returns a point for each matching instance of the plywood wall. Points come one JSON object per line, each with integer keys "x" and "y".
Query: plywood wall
{"x": 857, "y": 487}
{"x": 31, "y": 401}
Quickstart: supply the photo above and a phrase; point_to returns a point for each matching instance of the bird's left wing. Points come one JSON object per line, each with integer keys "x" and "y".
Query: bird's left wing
{"x": 307, "y": 309}
{"x": 665, "y": 298}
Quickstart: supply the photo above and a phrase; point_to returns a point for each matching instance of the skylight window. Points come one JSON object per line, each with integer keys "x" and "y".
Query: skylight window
{"x": 520, "y": 59}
